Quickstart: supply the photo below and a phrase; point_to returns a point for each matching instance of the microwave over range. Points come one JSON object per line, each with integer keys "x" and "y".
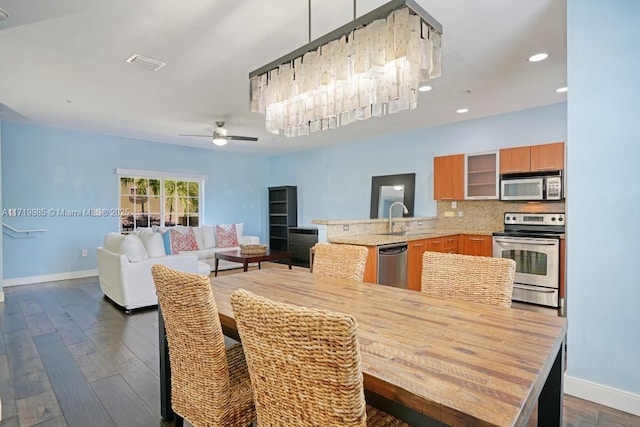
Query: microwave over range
{"x": 545, "y": 186}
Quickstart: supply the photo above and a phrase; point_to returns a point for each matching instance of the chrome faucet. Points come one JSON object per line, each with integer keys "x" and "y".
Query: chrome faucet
{"x": 405, "y": 210}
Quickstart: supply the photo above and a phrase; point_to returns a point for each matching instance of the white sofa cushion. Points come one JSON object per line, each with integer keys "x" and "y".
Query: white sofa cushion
{"x": 113, "y": 242}
{"x": 133, "y": 248}
{"x": 208, "y": 236}
{"x": 153, "y": 243}
{"x": 204, "y": 253}
{"x": 198, "y": 233}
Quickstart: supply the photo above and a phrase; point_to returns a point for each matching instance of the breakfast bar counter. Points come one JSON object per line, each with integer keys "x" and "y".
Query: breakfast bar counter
{"x": 374, "y": 239}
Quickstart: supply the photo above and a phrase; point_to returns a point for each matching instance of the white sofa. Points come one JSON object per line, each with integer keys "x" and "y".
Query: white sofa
{"x": 207, "y": 241}
{"x": 124, "y": 269}
{"x": 125, "y": 261}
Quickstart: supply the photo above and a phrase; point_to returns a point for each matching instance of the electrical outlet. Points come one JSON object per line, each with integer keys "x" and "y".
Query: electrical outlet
{"x": 449, "y": 214}
{"x": 460, "y": 214}
{"x": 85, "y": 252}
{"x": 345, "y": 227}
{"x": 454, "y": 205}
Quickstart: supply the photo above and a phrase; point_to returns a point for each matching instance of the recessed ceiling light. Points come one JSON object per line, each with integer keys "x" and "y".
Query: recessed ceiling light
{"x": 425, "y": 88}
{"x": 4, "y": 15}
{"x": 462, "y": 110}
{"x": 538, "y": 57}
{"x": 562, "y": 89}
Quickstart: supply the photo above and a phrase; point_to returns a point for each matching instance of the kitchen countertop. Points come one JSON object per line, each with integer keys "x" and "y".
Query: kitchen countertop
{"x": 381, "y": 239}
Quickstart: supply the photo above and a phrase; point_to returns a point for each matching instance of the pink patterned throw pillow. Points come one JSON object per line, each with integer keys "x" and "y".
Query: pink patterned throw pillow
{"x": 226, "y": 237}
{"x": 183, "y": 241}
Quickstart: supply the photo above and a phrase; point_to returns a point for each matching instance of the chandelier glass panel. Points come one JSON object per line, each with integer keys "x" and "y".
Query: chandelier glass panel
{"x": 372, "y": 70}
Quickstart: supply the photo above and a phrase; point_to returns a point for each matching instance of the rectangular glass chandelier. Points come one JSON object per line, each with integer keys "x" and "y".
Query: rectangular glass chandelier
{"x": 369, "y": 67}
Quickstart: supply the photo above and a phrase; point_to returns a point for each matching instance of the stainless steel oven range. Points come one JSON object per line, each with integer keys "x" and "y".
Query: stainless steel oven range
{"x": 532, "y": 240}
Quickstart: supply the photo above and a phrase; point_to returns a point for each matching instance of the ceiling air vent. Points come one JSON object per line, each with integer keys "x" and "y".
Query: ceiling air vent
{"x": 145, "y": 62}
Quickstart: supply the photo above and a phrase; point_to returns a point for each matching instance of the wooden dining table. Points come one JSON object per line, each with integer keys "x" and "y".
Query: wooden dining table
{"x": 428, "y": 360}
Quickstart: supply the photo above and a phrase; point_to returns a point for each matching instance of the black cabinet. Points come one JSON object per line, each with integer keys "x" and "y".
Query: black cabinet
{"x": 283, "y": 213}
{"x": 301, "y": 240}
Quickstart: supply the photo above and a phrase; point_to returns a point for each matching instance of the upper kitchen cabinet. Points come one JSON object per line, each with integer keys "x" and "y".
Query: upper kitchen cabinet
{"x": 547, "y": 157}
{"x": 534, "y": 158}
{"x": 448, "y": 181}
{"x": 481, "y": 176}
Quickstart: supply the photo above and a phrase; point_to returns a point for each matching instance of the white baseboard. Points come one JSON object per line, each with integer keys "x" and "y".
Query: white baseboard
{"x": 16, "y": 281}
{"x": 604, "y": 395}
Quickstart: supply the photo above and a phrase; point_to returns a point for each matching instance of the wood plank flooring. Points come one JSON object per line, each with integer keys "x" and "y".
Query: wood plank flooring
{"x": 70, "y": 358}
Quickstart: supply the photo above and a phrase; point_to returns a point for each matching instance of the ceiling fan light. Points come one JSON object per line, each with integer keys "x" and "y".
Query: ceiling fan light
{"x": 220, "y": 141}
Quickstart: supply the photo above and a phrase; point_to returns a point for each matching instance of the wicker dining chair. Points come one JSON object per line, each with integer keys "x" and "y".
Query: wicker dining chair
{"x": 471, "y": 278}
{"x": 210, "y": 384}
{"x": 341, "y": 261}
{"x": 304, "y": 365}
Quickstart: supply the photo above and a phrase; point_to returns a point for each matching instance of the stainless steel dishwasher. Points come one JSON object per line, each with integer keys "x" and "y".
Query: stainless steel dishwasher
{"x": 392, "y": 265}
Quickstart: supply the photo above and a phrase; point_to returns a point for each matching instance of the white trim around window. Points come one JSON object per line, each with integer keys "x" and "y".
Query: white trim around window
{"x": 159, "y": 174}
{"x": 162, "y": 177}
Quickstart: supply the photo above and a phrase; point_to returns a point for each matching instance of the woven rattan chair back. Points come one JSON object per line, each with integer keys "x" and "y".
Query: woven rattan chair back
{"x": 304, "y": 365}
{"x": 471, "y": 278}
{"x": 210, "y": 384}
{"x": 342, "y": 261}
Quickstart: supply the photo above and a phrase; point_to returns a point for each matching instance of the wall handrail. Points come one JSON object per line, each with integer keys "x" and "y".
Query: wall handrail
{"x": 24, "y": 232}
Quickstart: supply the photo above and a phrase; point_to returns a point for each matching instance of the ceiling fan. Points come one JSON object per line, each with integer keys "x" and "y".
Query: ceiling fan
{"x": 220, "y": 136}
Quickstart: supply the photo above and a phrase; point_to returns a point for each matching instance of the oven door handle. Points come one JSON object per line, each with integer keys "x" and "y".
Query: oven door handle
{"x": 535, "y": 288}
{"x": 528, "y": 242}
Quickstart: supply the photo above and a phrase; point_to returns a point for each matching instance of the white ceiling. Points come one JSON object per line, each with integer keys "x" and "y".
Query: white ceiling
{"x": 62, "y": 64}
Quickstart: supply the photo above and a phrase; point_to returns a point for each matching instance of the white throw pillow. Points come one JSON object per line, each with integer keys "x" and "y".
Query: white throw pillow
{"x": 198, "y": 233}
{"x": 113, "y": 242}
{"x": 133, "y": 248}
{"x": 208, "y": 236}
{"x": 239, "y": 231}
{"x": 153, "y": 244}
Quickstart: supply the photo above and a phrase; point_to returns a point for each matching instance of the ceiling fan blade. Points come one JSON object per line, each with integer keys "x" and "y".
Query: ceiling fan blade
{"x": 242, "y": 138}
{"x": 205, "y": 136}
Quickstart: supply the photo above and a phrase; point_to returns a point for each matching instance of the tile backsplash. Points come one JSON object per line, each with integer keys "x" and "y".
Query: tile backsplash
{"x": 467, "y": 216}
{"x": 486, "y": 214}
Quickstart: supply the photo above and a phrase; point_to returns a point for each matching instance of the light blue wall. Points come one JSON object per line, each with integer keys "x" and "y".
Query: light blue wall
{"x": 1, "y": 235}
{"x": 335, "y": 182}
{"x": 603, "y": 246}
{"x": 64, "y": 169}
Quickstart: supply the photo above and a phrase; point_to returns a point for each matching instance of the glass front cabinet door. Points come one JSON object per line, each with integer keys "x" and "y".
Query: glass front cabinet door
{"x": 481, "y": 175}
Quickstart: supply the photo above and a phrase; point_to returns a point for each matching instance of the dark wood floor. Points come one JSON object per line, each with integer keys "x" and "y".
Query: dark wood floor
{"x": 69, "y": 358}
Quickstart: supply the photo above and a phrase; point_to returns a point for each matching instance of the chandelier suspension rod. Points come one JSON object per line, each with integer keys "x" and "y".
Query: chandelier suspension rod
{"x": 354, "y": 16}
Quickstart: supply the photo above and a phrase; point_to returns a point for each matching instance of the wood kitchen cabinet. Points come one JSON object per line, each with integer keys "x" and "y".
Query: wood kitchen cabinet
{"x": 534, "y": 158}
{"x": 515, "y": 160}
{"x": 477, "y": 245}
{"x": 448, "y": 177}
{"x": 414, "y": 263}
{"x": 547, "y": 157}
{"x": 417, "y": 248}
{"x": 446, "y": 244}
{"x": 481, "y": 176}
{"x": 371, "y": 266}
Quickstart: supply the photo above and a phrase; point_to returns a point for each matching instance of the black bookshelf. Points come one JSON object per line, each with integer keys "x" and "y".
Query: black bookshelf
{"x": 283, "y": 213}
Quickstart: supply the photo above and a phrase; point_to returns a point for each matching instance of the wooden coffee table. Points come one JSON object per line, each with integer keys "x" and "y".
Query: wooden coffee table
{"x": 245, "y": 259}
